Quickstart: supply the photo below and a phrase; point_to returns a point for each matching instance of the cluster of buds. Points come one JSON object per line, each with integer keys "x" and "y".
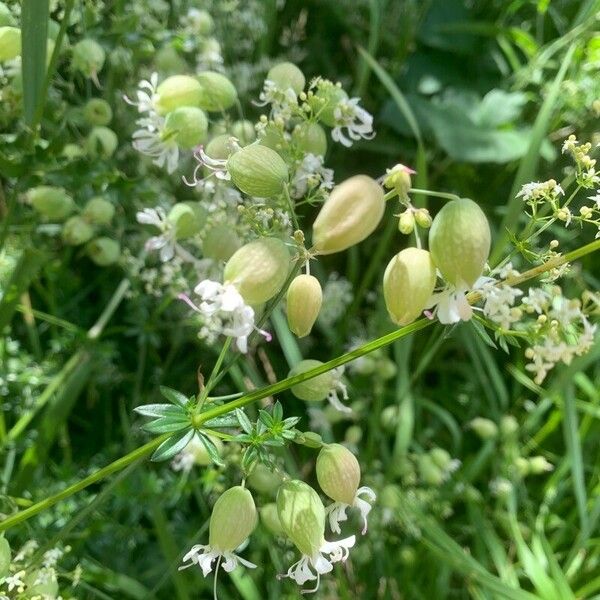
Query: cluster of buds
{"x": 586, "y": 173}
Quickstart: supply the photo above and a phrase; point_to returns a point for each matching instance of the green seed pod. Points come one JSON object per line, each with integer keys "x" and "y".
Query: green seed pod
{"x": 220, "y": 242}
{"x": 459, "y": 241}
{"x": 72, "y": 151}
{"x": 5, "y": 557}
{"x": 310, "y": 138}
{"x": 258, "y": 171}
{"x": 97, "y": 112}
{"x": 429, "y": 472}
{"x": 406, "y": 222}
{"x": 304, "y": 299}
{"x": 51, "y": 202}
{"x": 244, "y": 131}
{"x": 408, "y": 283}
{"x": 77, "y": 231}
{"x": 423, "y": 218}
{"x": 259, "y": 269}
{"x": 324, "y": 102}
{"x": 287, "y": 75}
{"x": 302, "y": 516}
{"x": 10, "y": 43}
{"x": 270, "y": 519}
{"x": 88, "y": 57}
{"x": 98, "y": 211}
{"x": 168, "y": 61}
{"x": 218, "y": 147}
{"x": 177, "y": 91}
{"x": 272, "y": 137}
{"x": 103, "y": 251}
{"x": 217, "y": 93}
{"x": 101, "y": 142}
{"x": 233, "y": 519}
{"x": 188, "y": 125}
{"x": 486, "y": 429}
{"x": 6, "y": 17}
{"x": 353, "y": 435}
{"x": 263, "y": 480}
{"x": 350, "y": 214}
{"x": 185, "y": 219}
{"x": 315, "y": 389}
{"x": 338, "y": 473}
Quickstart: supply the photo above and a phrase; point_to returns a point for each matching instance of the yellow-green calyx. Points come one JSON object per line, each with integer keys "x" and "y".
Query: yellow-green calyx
{"x": 302, "y": 516}
{"x": 304, "y": 299}
{"x": 233, "y": 519}
{"x": 315, "y": 389}
{"x": 338, "y": 473}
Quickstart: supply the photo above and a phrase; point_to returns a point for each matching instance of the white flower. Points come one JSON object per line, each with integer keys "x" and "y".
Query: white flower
{"x": 311, "y": 175}
{"x": 204, "y": 556}
{"x": 150, "y": 139}
{"x": 357, "y": 122}
{"x": 283, "y": 102}
{"x": 337, "y": 511}
{"x": 15, "y": 582}
{"x": 451, "y": 305}
{"x": 536, "y": 300}
{"x": 309, "y": 568}
{"x": 216, "y": 165}
{"x": 499, "y": 302}
{"x": 540, "y": 190}
{"x": 596, "y": 199}
{"x": 338, "y": 385}
{"x": 166, "y": 242}
{"x": 146, "y": 94}
{"x": 225, "y": 312}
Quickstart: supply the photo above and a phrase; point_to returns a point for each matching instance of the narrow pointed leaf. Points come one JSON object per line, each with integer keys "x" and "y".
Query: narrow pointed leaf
{"x": 172, "y": 446}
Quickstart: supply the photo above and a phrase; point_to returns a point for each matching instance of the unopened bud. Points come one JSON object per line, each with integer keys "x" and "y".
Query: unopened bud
{"x": 423, "y": 218}
{"x": 459, "y": 241}
{"x": 244, "y": 132}
{"x": 310, "y": 138}
{"x": 103, "y": 251}
{"x": 429, "y": 472}
{"x": 220, "y": 242}
{"x": 264, "y": 480}
{"x": 521, "y": 466}
{"x": 338, "y": 473}
{"x": 258, "y": 171}
{"x": 259, "y": 269}
{"x": 177, "y": 91}
{"x": 486, "y": 429}
{"x": 441, "y": 458}
{"x": 98, "y": 211}
{"x": 88, "y": 57}
{"x": 77, "y": 231}
{"x": 101, "y": 142}
{"x": 187, "y": 218}
{"x": 304, "y": 299}
{"x": 508, "y": 425}
{"x": 218, "y": 147}
{"x": 302, "y": 516}
{"x": 406, "y": 222}
{"x": 287, "y": 75}
{"x": 10, "y": 43}
{"x": 217, "y": 93}
{"x": 51, "y": 202}
{"x": 398, "y": 178}
{"x": 325, "y": 100}
{"x": 97, "y": 112}
{"x": 539, "y": 465}
{"x": 187, "y": 125}
{"x": 350, "y": 214}
{"x": 233, "y": 519}
{"x": 408, "y": 282}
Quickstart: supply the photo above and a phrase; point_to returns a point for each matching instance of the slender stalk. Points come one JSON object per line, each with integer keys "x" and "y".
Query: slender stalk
{"x": 445, "y": 195}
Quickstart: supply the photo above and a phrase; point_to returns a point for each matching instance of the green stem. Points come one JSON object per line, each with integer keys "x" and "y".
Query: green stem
{"x": 445, "y": 195}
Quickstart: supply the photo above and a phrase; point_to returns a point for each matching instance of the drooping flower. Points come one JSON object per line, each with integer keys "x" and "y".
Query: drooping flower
{"x": 302, "y": 517}
{"x": 152, "y": 139}
{"x": 450, "y": 305}
{"x": 233, "y": 519}
{"x": 224, "y": 312}
{"x": 166, "y": 242}
{"x": 146, "y": 94}
{"x": 217, "y": 166}
{"x": 338, "y": 474}
{"x": 355, "y": 120}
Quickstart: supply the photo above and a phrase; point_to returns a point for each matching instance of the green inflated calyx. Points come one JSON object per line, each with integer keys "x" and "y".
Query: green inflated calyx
{"x": 314, "y": 389}
{"x": 77, "y": 231}
{"x": 287, "y": 75}
{"x": 103, "y": 251}
{"x": 302, "y": 516}
{"x": 259, "y": 269}
{"x": 10, "y": 43}
{"x": 338, "y": 473}
{"x": 311, "y": 138}
{"x": 459, "y": 242}
{"x": 233, "y": 519}
{"x": 187, "y": 125}
{"x": 51, "y": 202}
{"x": 258, "y": 171}
{"x": 177, "y": 91}
{"x": 98, "y": 211}
{"x": 217, "y": 93}
{"x": 220, "y": 242}
{"x": 187, "y": 218}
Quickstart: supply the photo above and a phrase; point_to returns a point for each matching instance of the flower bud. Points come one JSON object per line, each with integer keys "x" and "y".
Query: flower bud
{"x": 441, "y": 458}
{"x": 77, "y": 231}
{"x": 187, "y": 218}
{"x": 188, "y": 125}
{"x": 176, "y": 91}
{"x": 310, "y": 138}
{"x": 5, "y": 557}
{"x": 97, "y": 112}
{"x": 302, "y": 516}
{"x": 304, "y": 298}
{"x": 101, "y": 142}
{"x": 350, "y": 214}
{"x": 406, "y": 222}
{"x": 429, "y": 472}
{"x": 88, "y": 57}
{"x": 315, "y": 389}
{"x": 398, "y": 178}
{"x": 258, "y": 171}
{"x": 508, "y": 425}
{"x": 408, "y": 283}
{"x": 218, "y": 147}
{"x": 389, "y": 417}
{"x": 287, "y": 75}
{"x": 217, "y": 93}
{"x": 270, "y": 519}
{"x": 244, "y": 132}
{"x": 72, "y": 151}
{"x": 51, "y": 202}
{"x": 263, "y": 480}
{"x": 522, "y": 466}
{"x": 325, "y": 100}
{"x": 233, "y": 519}
{"x": 423, "y": 218}
{"x": 259, "y": 269}
{"x": 98, "y": 211}
{"x": 338, "y": 473}
{"x": 353, "y": 435}
{"x": 459, "y": 241}
{"x": 10, "y": 43}
{"x": 103, "y": 251}
{"x": 220, "y": 242}
{"x": 486, "y": 429}
{"x": 539, "y": 465}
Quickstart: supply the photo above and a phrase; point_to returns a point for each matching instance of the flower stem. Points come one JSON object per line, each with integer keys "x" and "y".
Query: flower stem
{"x": 445, "y": 195}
